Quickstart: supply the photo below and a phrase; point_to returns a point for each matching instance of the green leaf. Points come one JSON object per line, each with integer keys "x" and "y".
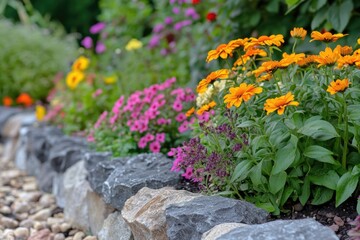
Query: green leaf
{"x": 340, "y": 13}
{"x": 322, "y": 195}
{"x": 286, "y": 194}
{"x": 319, "y": 18}
{"x": 305, "y": 193}
{"x": 277, "y": 182}
{"x": 241, "y": 171}
{"x": 354, "y": 112}
{"x": 284, "y": 157}
{"x": 245, "y": 124}
{"x": 328, "y": 179}
{"x": 358, "y": 206}
{"x": 345, "y": 187}
{"x": 255, "y": 175}
{"x": 316, "y": 5}
{"x": 319, "y": 129}
{"x": 292, "y": 4}
{"x": 266, "y": 206}
{"x": 319, "y": 153}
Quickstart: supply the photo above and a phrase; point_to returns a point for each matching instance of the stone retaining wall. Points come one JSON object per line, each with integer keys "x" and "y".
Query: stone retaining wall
{"x": 133, "y": 197}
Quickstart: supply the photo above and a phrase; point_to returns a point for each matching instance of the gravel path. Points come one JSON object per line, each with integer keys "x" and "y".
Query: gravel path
{"x": 29, "y": 214}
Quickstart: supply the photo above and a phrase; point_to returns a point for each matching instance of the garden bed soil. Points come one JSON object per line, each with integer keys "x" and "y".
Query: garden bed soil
{"x": 338, "y": 219}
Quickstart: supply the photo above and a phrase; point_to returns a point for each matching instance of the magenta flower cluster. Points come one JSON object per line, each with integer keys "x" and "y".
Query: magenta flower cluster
{"x": 154, "y": 117}
{"x": 87, "y": 41}
{"x": 167, "y": 31}
{"x": 354, "y": 233}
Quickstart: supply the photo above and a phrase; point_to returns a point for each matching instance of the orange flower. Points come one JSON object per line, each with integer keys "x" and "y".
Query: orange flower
{"x": 309, "y": 59}
{"x": 24, "y": 99}
{"x": 298, "y": 33}
{"x": 279, "y": 103}
{"x": 190, "y": 112}
{"x": 326, "y": 36}
{"x": 338, "y": 86}
{"x": 289, "y": 59}
{"x": 233, "y": 44}
{"x": 264, "y": 77}
{"x": 327, "y": 57}
{"x": 343, "y": 50}
{"x": 239, "y": 94}
{"x": 221, "y": 51}
{"x": 276, "y": 40}
{"x": 348, "y": 61}
{"x": 248, "y": 54}
{"x": 205, "y": 108}
{"x": 222, "y": 74}
{"x": 202, "y": 86}
{"x": 267, "y": 67}
{"x": 7, "y": 101}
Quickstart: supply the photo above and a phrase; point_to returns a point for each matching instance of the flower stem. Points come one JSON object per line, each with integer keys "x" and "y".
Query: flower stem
{"x": 294, "y": 46}
{"x": 346, "y": 135}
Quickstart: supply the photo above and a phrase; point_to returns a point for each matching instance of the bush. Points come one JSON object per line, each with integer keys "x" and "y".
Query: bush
{"x": 30, "y": 58}
{"x": 284, "y": 128}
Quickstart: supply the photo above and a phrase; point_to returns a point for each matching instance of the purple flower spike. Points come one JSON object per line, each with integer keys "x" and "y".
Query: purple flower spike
{"x": 158, "y": 28}
{"x": 98, "y": 27}
{"x": 87, "y": 42}
{"x": 176, "y": 10}
{"x": 168, "y": 20}
{"x": 100, "y": 47}
{"x": 154, "y": 41}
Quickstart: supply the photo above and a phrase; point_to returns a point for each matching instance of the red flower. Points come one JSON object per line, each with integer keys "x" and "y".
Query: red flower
{"x": 7, "y": 101}
{"x": 24, "y": 99}
{"x": 211, "y": 16}
{"x": 195, "y": 2}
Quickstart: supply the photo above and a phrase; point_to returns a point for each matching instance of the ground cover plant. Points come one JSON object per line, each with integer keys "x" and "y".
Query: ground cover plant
{"x": 285, "y": 126}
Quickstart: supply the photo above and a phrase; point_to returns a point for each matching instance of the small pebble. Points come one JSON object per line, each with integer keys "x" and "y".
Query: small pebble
{"x": 335, "y": 227}
{"x": 9, "y": 222}
{"x": 90, "y": 238}
{"x": 64, "y": 227}
{"x": 5, "y": 210}
{"x": 338, "y": 221}
{"x": 22, "y": 233}
{"x": 59, "y": 236}
{"x": 79, "y": 236}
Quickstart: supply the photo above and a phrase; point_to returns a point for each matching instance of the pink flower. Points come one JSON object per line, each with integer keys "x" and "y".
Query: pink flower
{"x": 97, "y": 93}
{"x": 90, "y": 137}
{"x": 87, "y": 42}
{"x": 183, "y": 127}
{"x": 135, "y": 126}
{"x": 149, "y": 137}
{"x": 154, "y": 41}
{"x": 177, "y": 106}
{"x": 176, "y": 165}
{"x": 100, "y": 47}
{"x": 142, "y": 143}
{"x": 188, "y": 173}
{"x": 168, "y": 20}
{"x": 176, "y": 10}
{"x": 155, "y": 147}
{"x": 100, "y": 119}
{"x": 113, "y": 119}
{"x": 117, "y": 105}
{"x": 158, "y": 28}
{"x": 160, "y": 137}
{"x": 190, "y": 97}
{"x": 98, "y": 27}
{"x": 180, "y": 117}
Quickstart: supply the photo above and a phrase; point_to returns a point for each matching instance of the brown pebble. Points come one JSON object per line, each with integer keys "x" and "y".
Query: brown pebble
{"x": 338, "y": 221}
{"x": 79, "y": 236}
{"x": 8, "y": 222}
{"x": 44, "y": 234}
{"x": 298, "y": 207}
{"x": 334, "y": 227}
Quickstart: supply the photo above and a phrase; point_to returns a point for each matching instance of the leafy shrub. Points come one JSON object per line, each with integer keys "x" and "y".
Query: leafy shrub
{"x": 29, "y": 59}
{"x": 284, "y": 128}
{"x": 151, "y": 120}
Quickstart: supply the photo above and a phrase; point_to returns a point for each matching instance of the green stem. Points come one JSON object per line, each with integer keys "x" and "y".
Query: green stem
{"x": 294, "y": 46}
{"x": 346, "y": 135}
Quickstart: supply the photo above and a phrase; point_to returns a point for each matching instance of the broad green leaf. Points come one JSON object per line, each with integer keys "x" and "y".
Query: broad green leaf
{"x": 285, "y": 195}
{"x": 277, "y": 182}
{"x": 319, "y": 18}
{"x": 322, "y": 195}
{"x": 358, "y": 206}
{"x": 345, "y": 187}
{"x": 292, "y": 4}
{"x": 354, "y": 112}
{"x": 319, "y": 129}
{"x": 273, "y": 6}
{"x": 241, "y": 171}
{"x": 316, "y": 5}
{"x": 255, "y": 175}
{"x": 266, "y": 206}
{"x": 258, "y": 142}
{"x": 284, "y": 157}
{"x": 340, "y": 13}
{"x": 319, "y": 153}
{"x": 328, "y": 179}
{"x": 245, "y": 124}
{"x": 305, "y": 191}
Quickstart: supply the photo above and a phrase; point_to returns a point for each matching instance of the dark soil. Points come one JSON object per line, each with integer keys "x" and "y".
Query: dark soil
{"x": 338, "y": 219}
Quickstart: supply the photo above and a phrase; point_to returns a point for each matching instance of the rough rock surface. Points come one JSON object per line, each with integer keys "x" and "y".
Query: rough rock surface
{"x": 307, "y": 229}
{"x": 115, "y": 228}
{"x": 220, "y": 230}
{"x": 93, "y": 158}
{"x": 145, "y": 211}
{"x": 83, "y": 208}
{"x": 189, "y": 220}
{"x": 6, "y": 113}
{"x": 144, "y": 170}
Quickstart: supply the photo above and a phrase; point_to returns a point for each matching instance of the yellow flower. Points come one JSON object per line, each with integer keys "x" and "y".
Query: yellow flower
{"x": 110, "y": 80}
{"x": 202, "y": 86}
{"x": 222, "y": 74}
{"x": 327, "y": 57}
{"x": 326, "y": 37}
{"x": 264, "y": 77}
{"x": 276, "y": 40}
{"x": 80, "y": 64}
{"x": 205, "y": 108}
{"x": 190, "y": 112}
{"x": 133, "y": 44}
{"x": 289, "y": 59}
{"x": 298, "y": 33}
{"x": 343, "y": 50}
{"x": 233, "y": 44}
{"x": 338, "y": 86}
{"x": 305, "y": 62}
{"x": 250, "y": 52}
{"x": 222, "y": 51}
{"x": 279, "y": 103}
{"x": 40, "y": 112}
{"x": 74, "y": 78}
{"x": 348, "y": 61}
{"x": 358, "y": 41}
{"x": 239, "y": 94}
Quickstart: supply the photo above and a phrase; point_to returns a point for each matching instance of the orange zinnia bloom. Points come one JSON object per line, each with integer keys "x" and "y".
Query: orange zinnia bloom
{"x": 305, "y": 62}
{"x": 343, "y": 50}
{"x": 190, "y": 112}
{"x": 24, "y": 99}
{"x": 233, "y": 44}
{"x": 298, "y": 33}
{"x": 348, "y": 60}
{"x": 205, "y": 108}
{"x": 222, "y": 74}
{"x": 279, "y": 103}
{"x": 327, "y": 57}
{"x": 338, "y": 86}
{"x": 202, "y": 86}
{"x": 276, "y": 40}
{"x": 289, "y": 59}
{"x": 264, "y": 77}
{"x": 239, "y": 94}
{"x": 221, "y": 51}
{"x": 248, "y": 54}
{"x": 326, "y": 36}
{"x": 7, "y": 101}
{"x": 268, "y": 67}
{"x": 80, "y": 64}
